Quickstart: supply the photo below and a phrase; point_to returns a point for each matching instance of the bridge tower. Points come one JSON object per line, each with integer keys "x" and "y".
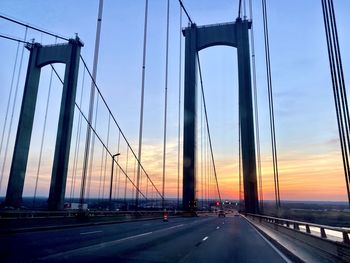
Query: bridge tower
{"x": 40, "y": 56}
{"x": 198, "y": 38}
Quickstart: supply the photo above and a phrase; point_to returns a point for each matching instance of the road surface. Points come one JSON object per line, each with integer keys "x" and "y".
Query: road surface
{"x": 200, "y": 239}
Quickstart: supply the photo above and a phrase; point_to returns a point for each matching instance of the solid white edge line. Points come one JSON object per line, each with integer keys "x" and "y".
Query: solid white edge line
{"x": 268, "y": 242}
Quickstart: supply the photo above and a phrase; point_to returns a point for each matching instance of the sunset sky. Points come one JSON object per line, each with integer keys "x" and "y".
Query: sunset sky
{"x": 309, "y": 157}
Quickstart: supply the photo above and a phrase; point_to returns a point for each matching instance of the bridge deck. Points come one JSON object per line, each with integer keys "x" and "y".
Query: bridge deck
{"x": 202, "y": 239}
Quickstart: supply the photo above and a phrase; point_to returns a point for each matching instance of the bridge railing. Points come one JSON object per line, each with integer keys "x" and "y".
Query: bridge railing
{"x": 74, "y": 213}
{"x": 325, "y": 232}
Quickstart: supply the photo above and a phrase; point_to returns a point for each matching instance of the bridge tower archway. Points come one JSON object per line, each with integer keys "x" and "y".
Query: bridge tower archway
{"x": 197, "y": 38}
{"x": 40, "y": 56}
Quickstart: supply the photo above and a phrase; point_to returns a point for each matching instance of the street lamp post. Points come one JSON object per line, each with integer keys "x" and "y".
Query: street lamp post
{"x": 111, "y": 184}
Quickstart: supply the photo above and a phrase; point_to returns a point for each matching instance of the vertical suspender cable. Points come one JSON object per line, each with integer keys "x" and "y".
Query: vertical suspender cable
{"x": 92, "y": 98}
{"x": 207, "y": 165}
{"x": 126, "y": 171}
{"x": 118, "y": 183}
{"x": 92, "y": 151}
{"x": 147, "y": 189}
{"x": 43, "y": 135}
{"x": 77, "y": 142}
{"x": 179, "y": 112}
{"x": 116, "y": 177}
{"x": 202, "y": 149}
{"x": 240, "y": 181}
{"x": 13, "y": 109}
{"x": 9, "y": 97}
{"x": 244, "y": 9}
{"x": 165, "y": 101}
{"x": 256, "y": 111}
{"x": 205, "y": 168}
{"x": 271, "y": 108}
{"x": 207, "y": 124}
{"x": 8, "y": 104}
{"x": 105, "y": 168}
{"x": 239, "y": 166}
{"x": 142, "y": 99}
{"x": 100, "y": 181}
{"x": 134, "y": 177}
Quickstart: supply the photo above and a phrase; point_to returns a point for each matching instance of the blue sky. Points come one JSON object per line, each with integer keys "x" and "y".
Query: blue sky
{"x": 304, "y": 109}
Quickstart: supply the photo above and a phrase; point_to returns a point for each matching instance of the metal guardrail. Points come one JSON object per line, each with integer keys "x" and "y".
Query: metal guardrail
{"x": 305, "y": 227}
{"x": 74, "y": 212}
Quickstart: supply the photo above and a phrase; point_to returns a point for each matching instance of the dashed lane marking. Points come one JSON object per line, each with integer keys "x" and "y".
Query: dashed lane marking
{"x": 92, "y": 232}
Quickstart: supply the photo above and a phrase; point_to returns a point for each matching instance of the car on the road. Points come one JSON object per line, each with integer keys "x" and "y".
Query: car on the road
{"x": 221, "y": 213}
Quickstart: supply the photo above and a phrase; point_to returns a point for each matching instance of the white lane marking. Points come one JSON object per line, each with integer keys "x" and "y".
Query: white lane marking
{"x": 97, "y": 246}
{"x": 274, "y": 248}
{"x": 217, "y": 227}
{"x": 204, "y": 238}
{"x": 223, "y": 223}
{"x": 104, "y": 244}
{"x": 92, "y": 232}
{"x": 169, "y": 228}
{"x": 126, "y": 238}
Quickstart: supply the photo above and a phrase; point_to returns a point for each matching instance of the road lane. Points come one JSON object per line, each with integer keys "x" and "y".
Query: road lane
{"x": 42, "y": 243}
{"x": 235, "y": 241}
{"x": 202, "y": 239}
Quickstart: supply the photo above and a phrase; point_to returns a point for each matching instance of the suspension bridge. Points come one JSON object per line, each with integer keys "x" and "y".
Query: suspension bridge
{"x": 77, "y": 183}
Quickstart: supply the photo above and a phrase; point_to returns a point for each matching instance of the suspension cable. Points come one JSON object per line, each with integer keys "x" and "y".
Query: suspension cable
{"x": 239, "y": 8}
{"x": 33, "y": 27}
{"x": 14, "y": 39}
{"x": 271, "y": 107}
{"x": 183, "y": 8}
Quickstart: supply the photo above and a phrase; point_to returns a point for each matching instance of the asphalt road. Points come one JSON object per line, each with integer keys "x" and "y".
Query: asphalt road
{"x": 201, "y": 239}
